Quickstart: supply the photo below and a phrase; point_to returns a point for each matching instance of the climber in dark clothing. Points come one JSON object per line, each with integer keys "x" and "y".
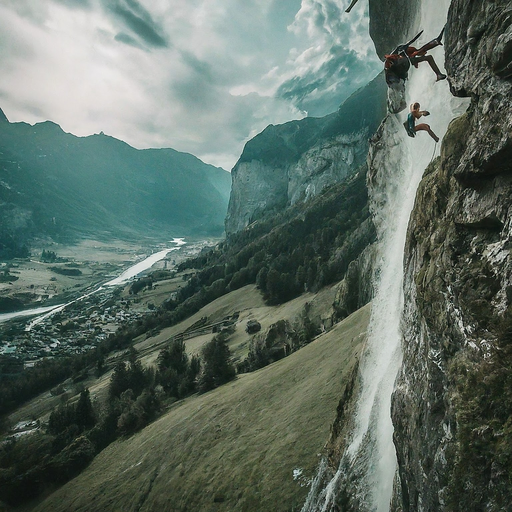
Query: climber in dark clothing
{"x": 397, "y": 63}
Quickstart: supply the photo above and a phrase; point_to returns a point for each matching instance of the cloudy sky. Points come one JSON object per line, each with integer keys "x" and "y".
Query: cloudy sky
{"x": 200, "y": 76}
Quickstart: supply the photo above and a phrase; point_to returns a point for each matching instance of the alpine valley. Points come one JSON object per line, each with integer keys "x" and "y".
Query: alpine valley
{"x": 341, "y": 342}
{"x": 65, "y": 187}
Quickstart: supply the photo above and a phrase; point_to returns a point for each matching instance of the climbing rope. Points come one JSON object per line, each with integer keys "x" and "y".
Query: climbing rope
{"x": 433, "y": 154}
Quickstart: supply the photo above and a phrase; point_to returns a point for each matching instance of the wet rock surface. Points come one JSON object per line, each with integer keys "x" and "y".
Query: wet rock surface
{"x": 450, "y": 424}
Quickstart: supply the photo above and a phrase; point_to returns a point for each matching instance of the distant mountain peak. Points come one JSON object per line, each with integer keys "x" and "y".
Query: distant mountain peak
{"x": 49, "y": 126}
{"x": 3, "y": 117}
{"x": 98, "y": 184}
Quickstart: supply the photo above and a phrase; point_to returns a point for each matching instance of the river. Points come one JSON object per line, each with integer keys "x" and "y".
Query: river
{"x": 42, "y": 313}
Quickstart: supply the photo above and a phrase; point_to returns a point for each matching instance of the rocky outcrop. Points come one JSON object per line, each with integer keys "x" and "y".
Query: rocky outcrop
{"x": 297, "y": 160}
{"x": 452, "y": 421}
{"x": 392, "y": 22}
{"x": 356, "y": 288}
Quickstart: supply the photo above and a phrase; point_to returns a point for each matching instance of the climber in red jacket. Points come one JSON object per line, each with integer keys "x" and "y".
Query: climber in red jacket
{"x": 398, "y": 62}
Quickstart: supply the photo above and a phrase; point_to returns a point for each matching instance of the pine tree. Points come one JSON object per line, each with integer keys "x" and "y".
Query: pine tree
{"x": 119, "y": 380}
{"x": 217, "y": 367}
{"x": 177, "y": 356}
{"x": 84, "y": 412}
{"x": 174, "y": 371}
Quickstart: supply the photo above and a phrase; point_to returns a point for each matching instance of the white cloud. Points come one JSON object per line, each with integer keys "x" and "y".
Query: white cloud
{"x": 200, "y": 76}
{"x": 337, "y": 56}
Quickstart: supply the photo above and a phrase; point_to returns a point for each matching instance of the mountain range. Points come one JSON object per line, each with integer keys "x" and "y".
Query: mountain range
{"x": 55, "y": 184}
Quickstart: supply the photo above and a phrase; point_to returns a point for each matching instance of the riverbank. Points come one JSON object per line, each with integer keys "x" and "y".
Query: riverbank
{"x": 96, "y": 293}
{"x": 32, "y": 283}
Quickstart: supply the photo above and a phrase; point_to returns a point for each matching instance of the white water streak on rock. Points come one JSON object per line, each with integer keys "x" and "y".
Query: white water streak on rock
{"x": 400, "y": 163}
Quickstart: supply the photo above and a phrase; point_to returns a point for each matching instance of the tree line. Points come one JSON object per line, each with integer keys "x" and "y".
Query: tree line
{"x": 77, "y": 431}
{"x": 304, "y": 248}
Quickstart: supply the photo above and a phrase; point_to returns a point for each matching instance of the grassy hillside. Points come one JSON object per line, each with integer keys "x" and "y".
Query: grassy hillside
{"x": 247, "y": 302}
{"x": 235, "y": 448}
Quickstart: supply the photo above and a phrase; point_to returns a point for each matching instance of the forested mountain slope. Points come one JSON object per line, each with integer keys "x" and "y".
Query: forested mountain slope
{"x": 53, "y": 183}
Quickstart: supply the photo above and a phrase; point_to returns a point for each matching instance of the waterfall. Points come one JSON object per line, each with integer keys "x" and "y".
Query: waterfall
{"x": 368, "y": 466}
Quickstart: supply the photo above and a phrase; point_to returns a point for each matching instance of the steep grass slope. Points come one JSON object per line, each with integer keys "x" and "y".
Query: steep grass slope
{"x": 235, "y": 448}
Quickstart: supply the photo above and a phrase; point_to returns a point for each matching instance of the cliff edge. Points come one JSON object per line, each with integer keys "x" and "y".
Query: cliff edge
{"x": 451, "y": 408}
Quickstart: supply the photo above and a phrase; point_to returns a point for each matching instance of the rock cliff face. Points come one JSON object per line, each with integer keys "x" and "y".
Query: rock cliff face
{"x": 452, "y": 403}
{"x": 452, "y": 427}
{"x": 356, "y": 288}
{"x": 392, "y": 22}
{"x": 295, "y": 161}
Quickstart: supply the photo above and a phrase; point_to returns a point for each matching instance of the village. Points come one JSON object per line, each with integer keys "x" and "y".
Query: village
{"x": 76, "y": 329}
{"x": 98, "y": 312}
